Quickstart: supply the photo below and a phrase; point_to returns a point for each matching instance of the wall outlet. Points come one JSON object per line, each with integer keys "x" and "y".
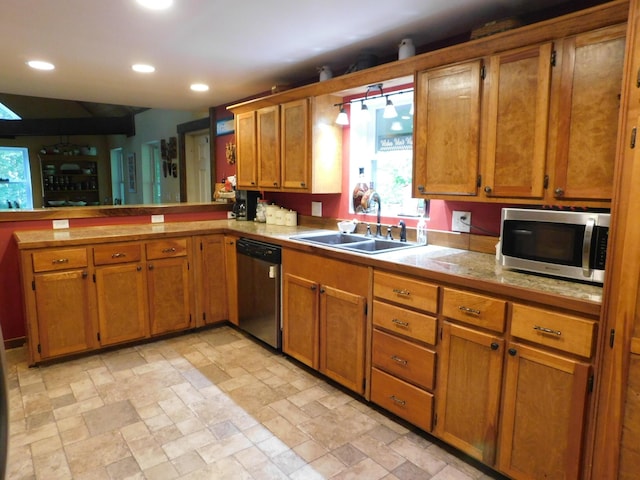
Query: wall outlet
{"x": 157, "y": 218}
{"x": 60, "y": 224}
{"x": 316, "y": 209}
{"x": 461, "y": 221}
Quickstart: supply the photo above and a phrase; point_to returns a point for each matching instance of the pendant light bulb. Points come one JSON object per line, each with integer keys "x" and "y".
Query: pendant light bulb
{"x": 342, "y": 118}
{"x": 389, "y": 110}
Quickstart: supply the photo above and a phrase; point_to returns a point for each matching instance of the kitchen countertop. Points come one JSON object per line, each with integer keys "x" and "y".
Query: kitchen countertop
{"x": 440, "y": 264}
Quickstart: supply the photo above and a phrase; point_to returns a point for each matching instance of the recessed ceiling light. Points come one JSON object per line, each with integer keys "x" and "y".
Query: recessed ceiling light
{"x": 156, "y": 4}
{"x": 143, "y": 68}
{"x": 199, "y": 87}
{"x": 40, "y": 65}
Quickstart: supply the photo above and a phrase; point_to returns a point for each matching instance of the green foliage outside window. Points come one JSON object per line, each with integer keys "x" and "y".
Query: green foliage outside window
{"x": 15, "y": 178}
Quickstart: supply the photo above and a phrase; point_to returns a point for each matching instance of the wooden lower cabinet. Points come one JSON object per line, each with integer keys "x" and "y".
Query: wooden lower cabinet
{"x": 121, "y": 289}
{"x": 469, "y": 381}
{"x": 231, "y": 266}
{"x": 64, "y": 304}
{"x": 168, "y": 286}
{"x": 122, "y": 303}
{"x": 543, "y": 415}
{"x": 212, "y": 279}
{"x": 324, "y": 316}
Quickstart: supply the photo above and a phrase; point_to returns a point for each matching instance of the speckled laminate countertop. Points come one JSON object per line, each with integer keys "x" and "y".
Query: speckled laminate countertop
{"x": 445, "y": 265}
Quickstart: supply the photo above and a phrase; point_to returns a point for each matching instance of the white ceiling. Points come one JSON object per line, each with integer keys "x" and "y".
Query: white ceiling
{"x": 238, "y": 47}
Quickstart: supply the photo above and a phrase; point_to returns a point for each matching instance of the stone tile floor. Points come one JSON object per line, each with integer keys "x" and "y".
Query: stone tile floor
{"x": 207, "y": 405}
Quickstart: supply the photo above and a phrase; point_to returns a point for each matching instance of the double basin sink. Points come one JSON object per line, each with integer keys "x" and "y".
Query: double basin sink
{"x": 354, "y": 242}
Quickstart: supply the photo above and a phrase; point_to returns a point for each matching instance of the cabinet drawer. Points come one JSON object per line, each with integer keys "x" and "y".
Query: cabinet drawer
{"x": 480, "y": 310}
{"x": 405, "y": 322}
{"x": 564, "y": 332}
{"x": 167, "y": 248}
{"x": 108, "y": 254}
{"x": 59, "y": 259}
{"x": 406, "y": 291}
{"x": 404, "y": 359}
{"x": 402, "y": 399}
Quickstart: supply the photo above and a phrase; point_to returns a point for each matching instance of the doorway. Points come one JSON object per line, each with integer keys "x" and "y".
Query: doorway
{"x": 198, "y": 166}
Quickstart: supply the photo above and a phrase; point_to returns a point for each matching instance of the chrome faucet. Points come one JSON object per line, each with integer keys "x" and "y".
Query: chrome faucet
{"x": 375, "y": 197}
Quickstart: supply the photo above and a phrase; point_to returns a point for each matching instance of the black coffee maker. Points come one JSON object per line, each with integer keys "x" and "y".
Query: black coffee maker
{"x": 245, "y": 206}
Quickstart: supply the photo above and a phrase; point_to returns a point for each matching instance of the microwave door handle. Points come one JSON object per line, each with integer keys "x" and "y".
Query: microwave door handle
{"x": 586, "y": 247}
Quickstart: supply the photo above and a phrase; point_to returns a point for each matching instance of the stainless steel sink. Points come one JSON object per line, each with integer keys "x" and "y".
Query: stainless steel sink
{"x": 330, "y": 238}
{"x": 354, "y": 242}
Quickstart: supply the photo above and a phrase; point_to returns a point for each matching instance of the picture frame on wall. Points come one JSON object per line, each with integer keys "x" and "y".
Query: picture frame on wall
{"x": 225, "y": 126}
{"x": 131, "y": 171}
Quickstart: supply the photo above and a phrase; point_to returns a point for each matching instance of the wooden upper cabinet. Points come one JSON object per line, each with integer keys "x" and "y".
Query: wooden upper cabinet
{"x": 268, "y": 147}
{"x": 517, "y": 112}
{"x": 447, "y": 130}
{"x": 295, "y": 150}
{"x": 247, "y": 163}
{"x": 589, "y": 101}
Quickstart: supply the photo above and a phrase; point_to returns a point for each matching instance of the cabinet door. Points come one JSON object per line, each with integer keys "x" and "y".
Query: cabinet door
{"x": 542, "y": 415}
{"x": 295, "y": 145}
{"x": 168, "y": 282}
{"x": 517, "y": 121}
{"x": 447, "y": 130}
{"x": 591, "y": 83}
{"x": 342, "y": 327}
{"x": 63, "y": 303}
{"x": 268, "y": 142}
{"x": 231, "y": 265}
{"x": 122, "y": 303}
{"x": 213, "y": 279}
{"x": 300, "y": 319}
{"x": 469, "y": 381}
{"x": 247, "y": 162}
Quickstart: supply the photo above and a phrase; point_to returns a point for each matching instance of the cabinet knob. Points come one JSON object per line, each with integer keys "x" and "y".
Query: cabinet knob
{"x": 488, "y": 189}
{"x": 151, "y": 266}
{"x": 322, "y": 290}
{"x": 559, "y": 192}
{"x": 421, "y": 188}
{"x": 513, "y": 352}
{"x": 313, "y": 287}
{"x": 275, "y": 184}
{"x": 139, "y": 268}
{"x": 494, "y": 346}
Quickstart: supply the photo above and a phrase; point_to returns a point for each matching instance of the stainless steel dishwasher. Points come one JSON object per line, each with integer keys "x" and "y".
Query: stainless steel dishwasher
{"x": 259, "y": 290}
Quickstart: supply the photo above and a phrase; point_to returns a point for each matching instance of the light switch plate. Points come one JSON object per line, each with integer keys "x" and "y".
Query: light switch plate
{"x": 316, "y": 209}
{"x": 60, "y": 224}
{"x": 157, "y": 218}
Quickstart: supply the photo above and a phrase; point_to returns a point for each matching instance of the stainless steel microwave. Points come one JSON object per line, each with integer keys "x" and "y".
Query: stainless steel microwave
{"x": 554, "y": 242}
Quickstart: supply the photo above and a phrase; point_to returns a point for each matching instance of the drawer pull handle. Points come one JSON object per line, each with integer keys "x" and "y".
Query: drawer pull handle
{"x": 399, "y": 360}
{"x": 402, "y": 292}
{"x": 472, "y": 311}
{"x": 547, "y": 330}
{"x": 118, "y": 255}
{"x": 60, "y": 260}
{"x": 169, "y": 250}
{"x": 398, "y": 401}
{"x": 400, "y": 322}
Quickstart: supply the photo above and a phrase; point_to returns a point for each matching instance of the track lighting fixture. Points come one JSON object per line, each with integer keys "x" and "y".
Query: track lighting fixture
{"x": 371, "y": 93}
